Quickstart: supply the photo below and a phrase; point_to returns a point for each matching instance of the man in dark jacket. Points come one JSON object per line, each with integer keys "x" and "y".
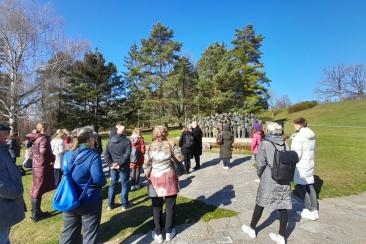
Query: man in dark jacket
{"x": 117, "y": 155}
{"x": 197, "y": 148}
{"x": 11, "y": 189}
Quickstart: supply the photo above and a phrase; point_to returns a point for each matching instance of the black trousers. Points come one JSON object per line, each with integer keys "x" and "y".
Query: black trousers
{"x": 57, "y": 173}
{"x": 197, "y": 159}
{"x": 257, "y": 214}
{"x": 87, "y": 220}
{"x": 135, "y": 176}
{"x": 187, "y": 164}
{"x": 158, "y": 203}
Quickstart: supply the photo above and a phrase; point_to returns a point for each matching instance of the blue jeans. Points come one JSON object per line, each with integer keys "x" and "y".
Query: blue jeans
{"x": 4, "y": 236}
{"x": 124, "y": 175}
{"x": 226, "y": 162}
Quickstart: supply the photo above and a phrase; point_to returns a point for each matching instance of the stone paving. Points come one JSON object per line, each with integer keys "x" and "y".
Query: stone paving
{"x": 342, "y": 220}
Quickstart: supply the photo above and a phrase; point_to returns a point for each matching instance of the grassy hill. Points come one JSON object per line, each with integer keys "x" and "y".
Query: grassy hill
{"x": 341, "y": 145}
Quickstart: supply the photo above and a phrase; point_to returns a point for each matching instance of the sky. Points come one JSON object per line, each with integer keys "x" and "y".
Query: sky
{"x": 302, "y": 38}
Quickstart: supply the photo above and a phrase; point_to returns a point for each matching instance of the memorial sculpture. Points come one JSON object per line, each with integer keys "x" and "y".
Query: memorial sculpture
{"x": 241, "y": 125}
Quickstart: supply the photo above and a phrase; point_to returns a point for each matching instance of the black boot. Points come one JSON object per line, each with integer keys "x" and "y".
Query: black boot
{"x": 36, "y": 216}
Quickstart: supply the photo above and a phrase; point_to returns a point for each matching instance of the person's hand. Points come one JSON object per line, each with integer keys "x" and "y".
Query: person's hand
{"x": 115, "y": 166}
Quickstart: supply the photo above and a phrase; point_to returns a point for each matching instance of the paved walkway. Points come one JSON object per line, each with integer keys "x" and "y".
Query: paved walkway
{"x": 342, "y": 220}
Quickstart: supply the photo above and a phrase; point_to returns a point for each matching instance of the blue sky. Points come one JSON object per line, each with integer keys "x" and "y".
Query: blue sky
{"x": 301, "y": 37}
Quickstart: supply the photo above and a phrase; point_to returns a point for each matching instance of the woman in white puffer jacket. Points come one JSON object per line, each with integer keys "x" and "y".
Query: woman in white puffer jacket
{"x": 304, "y": 143}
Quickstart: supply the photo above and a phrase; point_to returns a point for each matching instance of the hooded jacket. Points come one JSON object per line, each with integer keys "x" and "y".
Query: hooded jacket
{"x": 42, "y": 169}
{"x": 304, "y": 143}
{"x": 118, "y": 151}
{"x": 11, "y": 191}
{"x": 270, "y": 193}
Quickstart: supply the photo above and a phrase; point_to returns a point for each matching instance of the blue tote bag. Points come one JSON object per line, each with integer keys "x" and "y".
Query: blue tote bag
{"x": 66, "y": 197}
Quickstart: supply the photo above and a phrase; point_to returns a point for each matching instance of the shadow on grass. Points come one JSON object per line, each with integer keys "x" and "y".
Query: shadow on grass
{"x": 187, "y": 213}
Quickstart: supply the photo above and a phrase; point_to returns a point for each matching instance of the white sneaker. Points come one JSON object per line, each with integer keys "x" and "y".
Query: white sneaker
{"x": 277, "y": 238}
{"x": 133, "y": 188}
{"x": 316, "y": 213}
{"x": 257, "y": 180}
{"x": 157, "y": 238}
{"x": 170, "y": 236}
{"x": 226, "y": 167}
{"x": 249, "y": 231}
{"x": 306, "y": 214}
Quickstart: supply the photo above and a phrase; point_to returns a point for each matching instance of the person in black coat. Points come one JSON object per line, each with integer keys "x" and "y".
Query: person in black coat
{"x": 186, "y": 143}
{"x": 197, "y": 149}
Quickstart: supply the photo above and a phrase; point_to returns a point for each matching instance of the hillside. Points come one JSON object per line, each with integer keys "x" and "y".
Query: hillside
{"x": 341, "y": 145}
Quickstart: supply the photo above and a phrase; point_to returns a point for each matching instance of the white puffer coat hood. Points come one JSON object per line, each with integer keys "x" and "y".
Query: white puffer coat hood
{"x": 304, "y": 143}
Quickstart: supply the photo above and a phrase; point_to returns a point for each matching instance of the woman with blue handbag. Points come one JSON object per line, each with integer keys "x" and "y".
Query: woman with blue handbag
{"x": 88, "y": 177}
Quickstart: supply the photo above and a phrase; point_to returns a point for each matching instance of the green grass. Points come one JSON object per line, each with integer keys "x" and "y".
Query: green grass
{"x": 115, "y": 225}
{"x": 341, "y": 152}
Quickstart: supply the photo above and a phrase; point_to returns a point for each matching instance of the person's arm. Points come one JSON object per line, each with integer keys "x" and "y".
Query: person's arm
{"x": 9, "y": 189}
{"x": 147, "y": 163}
{"x": 181, "y": 140}
{"x": 126, "y": 156}
{"x": 143, "y": 147}
{"x": 297, "y": 145}
{"x": 96, "y": 171}
{"x": 261, "y": 160}
{"x": 44, "y": 150}
{"x": 107, "y": 155}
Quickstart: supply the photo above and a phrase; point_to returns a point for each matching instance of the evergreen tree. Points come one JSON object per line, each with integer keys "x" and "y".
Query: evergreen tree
{"x": 214, "y": 93}
{"x": 180, "y": 90}
{"x": 249, "y": 81}
{"x": 93, "y": 92}
{"x": 157, "y": 57}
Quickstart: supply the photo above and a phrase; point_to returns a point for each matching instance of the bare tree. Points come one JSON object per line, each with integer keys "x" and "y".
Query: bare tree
{"x": 271, "y": 101}
{"x": 283, "y": 102}
{"x": 30, "y": 35}
{"x": 356, "y": 80}
{"x": 334, "y": 83}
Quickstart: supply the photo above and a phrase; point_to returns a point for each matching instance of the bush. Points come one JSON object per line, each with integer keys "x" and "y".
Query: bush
{"x": 301, "y": 106}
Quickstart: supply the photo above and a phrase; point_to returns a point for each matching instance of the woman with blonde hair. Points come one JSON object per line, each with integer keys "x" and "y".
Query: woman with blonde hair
{"x": 137, "y": 157}
{"x": 42, "y": 169}
{"x": 58, "y": 149}
{"x": 163, "y": 181}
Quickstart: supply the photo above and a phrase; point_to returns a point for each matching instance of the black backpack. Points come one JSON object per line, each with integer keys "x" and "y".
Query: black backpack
{"x": 284, "y": 164}
{"x": 188, "y": 141}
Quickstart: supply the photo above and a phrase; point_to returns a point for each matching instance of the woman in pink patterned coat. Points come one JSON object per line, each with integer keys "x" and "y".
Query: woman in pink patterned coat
{"x": 163, "y": 181}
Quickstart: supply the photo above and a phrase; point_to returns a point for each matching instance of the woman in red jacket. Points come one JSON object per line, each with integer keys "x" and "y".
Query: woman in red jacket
{"x": 42, "y": 169}
{"x": 137, "y": 157}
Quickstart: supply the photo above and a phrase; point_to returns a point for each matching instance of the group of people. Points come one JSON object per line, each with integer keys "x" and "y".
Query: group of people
{"x": 82, "y": 149}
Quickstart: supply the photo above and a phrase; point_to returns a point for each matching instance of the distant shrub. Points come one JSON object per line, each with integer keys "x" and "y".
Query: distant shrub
{"x": 301, "y": 106}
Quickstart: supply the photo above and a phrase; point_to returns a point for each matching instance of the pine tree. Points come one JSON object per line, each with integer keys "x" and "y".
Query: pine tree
{"x": 158, "y": 55}
{"x": 249, "y": 81}
{"x": 180, "y": 90}
{"x": 214, "y": 92}
{"x": 93, "y": 90}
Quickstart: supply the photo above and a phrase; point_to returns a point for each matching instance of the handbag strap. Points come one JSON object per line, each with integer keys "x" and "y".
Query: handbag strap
{"x": 82, "y": 195}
